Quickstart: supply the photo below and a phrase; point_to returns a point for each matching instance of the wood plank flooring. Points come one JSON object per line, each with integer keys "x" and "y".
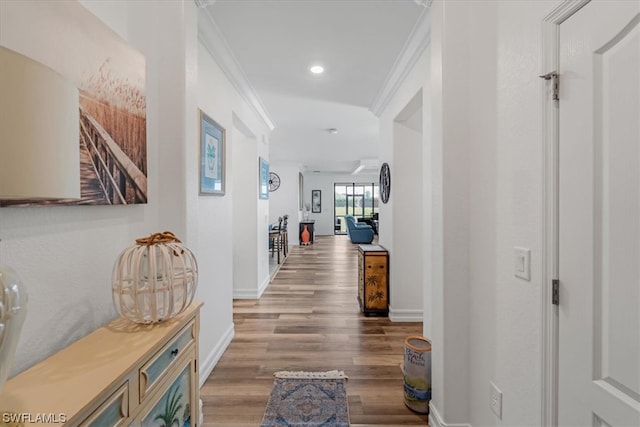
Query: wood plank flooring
{"x": 308, "y": 319}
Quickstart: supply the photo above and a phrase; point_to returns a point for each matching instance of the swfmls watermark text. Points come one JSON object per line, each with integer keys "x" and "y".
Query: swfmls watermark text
{"x": 29, "y": 418}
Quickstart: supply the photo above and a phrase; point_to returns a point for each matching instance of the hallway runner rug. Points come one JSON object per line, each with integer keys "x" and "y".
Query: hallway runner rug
{"x": 307, "y": 399}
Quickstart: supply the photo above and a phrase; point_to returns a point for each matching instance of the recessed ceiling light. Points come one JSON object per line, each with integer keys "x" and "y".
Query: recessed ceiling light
{"x": 332, "y": 131}
{"x": 317, "y": 69}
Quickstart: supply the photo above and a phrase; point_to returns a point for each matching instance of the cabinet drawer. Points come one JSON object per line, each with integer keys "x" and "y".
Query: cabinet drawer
{"x": 154, "y": 370}
{"x": 113, "y": 412}
{"x": 375, "y": 285}
{"x": 175, "y": 401}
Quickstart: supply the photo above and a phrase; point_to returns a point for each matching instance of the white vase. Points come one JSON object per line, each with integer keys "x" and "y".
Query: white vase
{"x": 13, "y": 311}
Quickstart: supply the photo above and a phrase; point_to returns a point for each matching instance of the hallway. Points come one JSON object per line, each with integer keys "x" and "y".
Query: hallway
{"x": 308, "y": 319}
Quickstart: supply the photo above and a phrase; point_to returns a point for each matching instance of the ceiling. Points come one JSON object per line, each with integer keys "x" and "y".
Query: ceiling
{"x": 274, "y": 43}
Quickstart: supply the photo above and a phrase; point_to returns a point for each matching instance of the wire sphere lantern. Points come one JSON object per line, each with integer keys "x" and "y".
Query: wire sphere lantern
{"x": 154, "y": 280}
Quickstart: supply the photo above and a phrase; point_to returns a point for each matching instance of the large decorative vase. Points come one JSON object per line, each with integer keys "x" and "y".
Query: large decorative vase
{"x": 154, "y": 280}
{"x": 13, "y": 311}
{"x": 305, "y": 235}
{"x": 417, "y": 374}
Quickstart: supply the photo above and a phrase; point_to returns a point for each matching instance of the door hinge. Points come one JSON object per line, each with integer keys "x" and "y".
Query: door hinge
{"x": 556, "y": 83}
{"x": 555, "y": 292}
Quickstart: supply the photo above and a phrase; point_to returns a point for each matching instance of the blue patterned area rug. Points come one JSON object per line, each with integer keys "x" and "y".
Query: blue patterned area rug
{"x": 307, "y": 399}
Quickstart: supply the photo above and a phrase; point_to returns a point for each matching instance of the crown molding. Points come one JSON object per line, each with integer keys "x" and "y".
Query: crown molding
{"x": 564, "y": 11}
{"x": 214, "y": 41}
{"x": 417, "y": 42}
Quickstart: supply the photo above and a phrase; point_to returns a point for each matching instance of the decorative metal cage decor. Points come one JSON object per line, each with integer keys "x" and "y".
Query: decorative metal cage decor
{"x": 154, "y": 280}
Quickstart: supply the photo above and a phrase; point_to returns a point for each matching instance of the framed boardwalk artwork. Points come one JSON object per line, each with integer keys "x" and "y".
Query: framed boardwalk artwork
{"x": 110, "y": 78}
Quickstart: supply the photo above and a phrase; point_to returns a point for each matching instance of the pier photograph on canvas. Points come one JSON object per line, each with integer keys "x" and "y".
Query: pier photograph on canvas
{"x": 110, "y": 78}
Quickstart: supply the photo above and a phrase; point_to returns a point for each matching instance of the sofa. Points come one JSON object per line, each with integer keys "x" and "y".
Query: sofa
{"x": 358, "y": 232}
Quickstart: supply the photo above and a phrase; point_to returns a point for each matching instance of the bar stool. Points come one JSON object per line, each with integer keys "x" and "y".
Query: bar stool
{"x": 285, "y": 235}
{"x": 275, "y": 239}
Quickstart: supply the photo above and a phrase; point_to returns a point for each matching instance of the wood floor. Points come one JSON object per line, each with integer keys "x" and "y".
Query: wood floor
{"x": 308, "y": 319}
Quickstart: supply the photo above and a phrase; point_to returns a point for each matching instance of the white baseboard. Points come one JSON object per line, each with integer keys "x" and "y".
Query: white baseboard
{"x": 252, "y": 293}
{"x": 435, "y": 420}
{"x": 403, "y": 315}
{"x": 207, "y": 365}
{"x": 264, "y": 285}
{"x": 245, "y": 294}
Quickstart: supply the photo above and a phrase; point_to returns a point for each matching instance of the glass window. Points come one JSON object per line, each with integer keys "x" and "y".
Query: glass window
{"x": 357, "y": 199}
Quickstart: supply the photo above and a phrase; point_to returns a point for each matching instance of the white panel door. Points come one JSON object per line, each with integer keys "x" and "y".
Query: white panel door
{"x": 599, "y": 217}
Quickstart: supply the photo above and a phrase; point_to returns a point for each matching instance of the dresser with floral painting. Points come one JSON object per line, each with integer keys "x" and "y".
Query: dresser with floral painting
{"x": 122, "y": 374}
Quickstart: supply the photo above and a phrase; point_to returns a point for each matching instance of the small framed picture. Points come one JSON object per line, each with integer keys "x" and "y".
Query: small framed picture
{"x": 212, "y": 165}
{"x": 264, "y": 178}
{"x": 316, "y": 201}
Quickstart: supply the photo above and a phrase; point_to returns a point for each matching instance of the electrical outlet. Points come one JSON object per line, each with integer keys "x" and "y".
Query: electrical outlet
{"x": 495, "y": 399}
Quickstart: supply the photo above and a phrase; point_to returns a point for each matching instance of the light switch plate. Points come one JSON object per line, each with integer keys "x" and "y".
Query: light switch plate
{"x": 522, "y": 263}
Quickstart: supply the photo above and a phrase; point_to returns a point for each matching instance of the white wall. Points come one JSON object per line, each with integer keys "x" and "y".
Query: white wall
{"x": 449, "y": 171}
{"x": 483, "y": 226}
{"x": 284, "y": 201}
{"x": 486, "y": 192}
{"x": 210, "y": 219}
{"x": 65, "y": 254}
{"x": 249, "y": 255}
{"x": 262, "y": 220}
{"x": 406, "y": 278}
{"x": 245, "y": 204}
{"x": 324, "y": 182}
{"x": 401, "y": 221}
{"x": 518, "y": 187}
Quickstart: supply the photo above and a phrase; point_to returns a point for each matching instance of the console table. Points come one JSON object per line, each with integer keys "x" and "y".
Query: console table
{"x": 119, "y": 375}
